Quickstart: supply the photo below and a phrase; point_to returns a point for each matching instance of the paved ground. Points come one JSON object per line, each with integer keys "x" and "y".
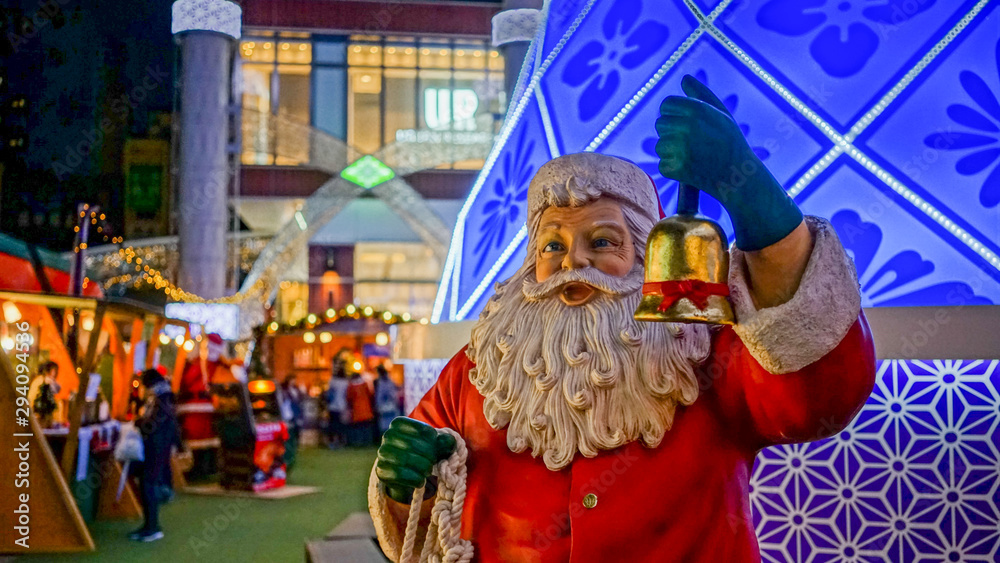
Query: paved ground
{"x": 205, "y": 528}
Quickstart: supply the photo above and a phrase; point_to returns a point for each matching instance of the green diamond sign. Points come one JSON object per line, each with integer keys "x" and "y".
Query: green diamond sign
{"x": 367, "y": 172}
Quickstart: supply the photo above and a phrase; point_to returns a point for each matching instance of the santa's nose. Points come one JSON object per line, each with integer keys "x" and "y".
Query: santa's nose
{"x": 576, "y": 258}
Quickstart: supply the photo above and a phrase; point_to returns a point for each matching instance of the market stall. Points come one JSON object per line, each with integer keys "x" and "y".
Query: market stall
{"x": 97, "y": 345}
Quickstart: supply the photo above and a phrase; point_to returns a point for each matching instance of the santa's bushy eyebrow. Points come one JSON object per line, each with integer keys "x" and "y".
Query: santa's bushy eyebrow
{"x": 614, "y": 225}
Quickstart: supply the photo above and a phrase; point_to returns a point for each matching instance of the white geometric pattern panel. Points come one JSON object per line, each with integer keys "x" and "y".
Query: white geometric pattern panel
{"x": 914, "y": 478}
{"x": 419, "y": 376}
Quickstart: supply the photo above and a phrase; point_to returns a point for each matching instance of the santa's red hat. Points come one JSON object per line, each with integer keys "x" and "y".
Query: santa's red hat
{"x": 596, "y": 175}
{"x": 216, "y": 346}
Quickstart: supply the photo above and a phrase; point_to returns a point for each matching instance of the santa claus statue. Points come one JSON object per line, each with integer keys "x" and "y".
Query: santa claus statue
{"x": 207, "y": 365}
{"x": 593, "y": 437}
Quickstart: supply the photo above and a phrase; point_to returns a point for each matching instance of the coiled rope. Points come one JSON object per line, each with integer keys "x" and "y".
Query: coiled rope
{"x": 443, "y": 543}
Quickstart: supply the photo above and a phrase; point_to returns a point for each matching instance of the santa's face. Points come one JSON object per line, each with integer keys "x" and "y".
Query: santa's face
{"x": 591, "y": 236}
{"x": 561, "y": 362}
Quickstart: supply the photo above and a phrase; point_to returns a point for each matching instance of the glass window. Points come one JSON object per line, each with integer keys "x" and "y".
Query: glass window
{"x": 496, "y": 61}
{"x": 257, "y": 147}
{"x": 257, "y": 50}
{"x": 364, "y": 109}
{"x": 329, "y": 113}
{"x": 400, "y": 56}
{"x": 292, "y": 131}
{"x": 470, "y": 55}
{"x": 400, "y": 101}
{"x": 369, "y": 91}
{"x": 399, "y": 277}
{"x": 364, "y": 55}
{"x": 435, "y": 100}
{"x": 294, "y": 52}
{"x": 434, "y": 55}
{"x": 276, "y": 98}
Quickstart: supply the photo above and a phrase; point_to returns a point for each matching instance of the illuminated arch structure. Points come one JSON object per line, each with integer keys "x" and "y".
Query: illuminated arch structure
{"x": 333, "y": 156}
{"x": 881, "y": 115}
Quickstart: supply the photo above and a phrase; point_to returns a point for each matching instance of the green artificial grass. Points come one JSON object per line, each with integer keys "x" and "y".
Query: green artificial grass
{"x": 214, "y": 528}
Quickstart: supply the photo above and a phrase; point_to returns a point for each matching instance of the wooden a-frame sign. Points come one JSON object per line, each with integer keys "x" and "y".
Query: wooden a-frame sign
{"x": 52, "y": 520}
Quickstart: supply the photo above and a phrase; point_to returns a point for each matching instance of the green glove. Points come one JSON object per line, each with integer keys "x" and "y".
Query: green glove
{"x": 701, "y": 145}
{"x": 409, "y": 450}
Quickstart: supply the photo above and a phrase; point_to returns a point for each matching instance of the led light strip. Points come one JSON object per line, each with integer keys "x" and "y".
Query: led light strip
{"x": 497, "y": 266}
{"x": 442, "y": 288}
{"x": 924, "y": 206}
{"x": 658, "y": 75}
{"x": 543, "y": 24}
{"x": 550, "y": 136}
{"x": 814, "y": 171}
{"x": 522, "y": 103}
{"x": 845, "y": 146}
{"x": 455, "y": 275}
{"x": 799, "y": 106}
{"x": 512, "y": 119}
{"x": 910, "y": 76}
{"x": 456, "y": 244}
{"x": 630, "y": 105}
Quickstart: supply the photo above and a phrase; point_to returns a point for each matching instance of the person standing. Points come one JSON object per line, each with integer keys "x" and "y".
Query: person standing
{"x": 157, "y": 423}
{"x": 42, "y": 395}
{"x": 336, "y": 406}
{"x": 291, "y": 397}
{"x": 360, "y": 398}
{"x": 386, "y": 399}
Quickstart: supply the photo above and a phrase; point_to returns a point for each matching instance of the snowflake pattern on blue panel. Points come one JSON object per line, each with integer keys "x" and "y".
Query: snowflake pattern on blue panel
{"x": 902, "y": 92}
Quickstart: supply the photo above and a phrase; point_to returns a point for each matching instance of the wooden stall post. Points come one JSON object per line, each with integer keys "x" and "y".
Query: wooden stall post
{"x": 55, "y": 521}
{"x": 76, "y": 407}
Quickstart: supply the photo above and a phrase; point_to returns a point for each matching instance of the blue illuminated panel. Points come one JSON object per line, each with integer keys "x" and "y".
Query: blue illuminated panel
{"x": 880, "y": 114}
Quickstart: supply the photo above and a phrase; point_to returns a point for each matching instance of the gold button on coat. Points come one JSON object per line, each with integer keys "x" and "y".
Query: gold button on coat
{"x": 590, "y": 501}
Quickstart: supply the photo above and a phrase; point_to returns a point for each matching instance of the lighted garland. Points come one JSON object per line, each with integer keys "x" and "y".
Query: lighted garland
{"x": 355, "y": 312}
{"x": 152, "y": 276}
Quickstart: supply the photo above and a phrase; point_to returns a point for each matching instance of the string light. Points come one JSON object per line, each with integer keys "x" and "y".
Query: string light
{"x": 349, "y": 312}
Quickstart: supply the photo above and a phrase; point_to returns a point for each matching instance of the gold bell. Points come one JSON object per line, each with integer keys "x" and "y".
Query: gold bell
{"x": 687, "y": 264}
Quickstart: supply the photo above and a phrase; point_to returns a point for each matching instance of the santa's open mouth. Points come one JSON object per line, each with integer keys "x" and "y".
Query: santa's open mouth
{"x": 577, "y": 293}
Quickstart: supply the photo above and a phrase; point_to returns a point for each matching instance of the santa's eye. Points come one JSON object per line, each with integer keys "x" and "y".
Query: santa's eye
{"x": 601, "y": 243}
{"x": 553, "y": 246}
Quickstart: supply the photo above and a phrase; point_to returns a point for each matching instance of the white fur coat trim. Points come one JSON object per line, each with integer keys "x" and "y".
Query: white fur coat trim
{"x": 792, "y": 335}
{"x": 389, "y": 536}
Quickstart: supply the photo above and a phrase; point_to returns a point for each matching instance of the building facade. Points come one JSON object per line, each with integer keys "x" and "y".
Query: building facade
{"x": 325, "y": 83}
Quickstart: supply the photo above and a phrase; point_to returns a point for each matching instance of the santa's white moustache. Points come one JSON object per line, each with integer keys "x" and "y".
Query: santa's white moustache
{"x": 613, "y": 286}
{"x": 565, "y": 379}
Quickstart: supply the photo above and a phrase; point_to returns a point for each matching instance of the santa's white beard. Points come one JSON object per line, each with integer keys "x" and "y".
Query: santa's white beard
{"x": 566, "y": 379}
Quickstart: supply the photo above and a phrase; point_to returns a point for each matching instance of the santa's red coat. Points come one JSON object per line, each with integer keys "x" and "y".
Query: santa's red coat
{"x": 685, "y": 500}
{"x": 194, "y": 407}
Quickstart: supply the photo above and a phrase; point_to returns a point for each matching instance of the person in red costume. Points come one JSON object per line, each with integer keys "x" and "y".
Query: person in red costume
{"x": 594, "y": 437}
{"x": 195, "y": 405}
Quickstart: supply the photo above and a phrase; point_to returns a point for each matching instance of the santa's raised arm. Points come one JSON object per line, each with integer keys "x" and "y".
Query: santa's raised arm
{"x": 594, "y": 437}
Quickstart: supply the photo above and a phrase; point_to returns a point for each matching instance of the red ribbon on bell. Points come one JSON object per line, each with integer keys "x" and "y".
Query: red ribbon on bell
{"x": 696, "y": 290}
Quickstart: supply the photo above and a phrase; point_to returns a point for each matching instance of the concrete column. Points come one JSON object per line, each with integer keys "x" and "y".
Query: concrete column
{"x": 512, "y": 31}
{"x": 206, "y": 31}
